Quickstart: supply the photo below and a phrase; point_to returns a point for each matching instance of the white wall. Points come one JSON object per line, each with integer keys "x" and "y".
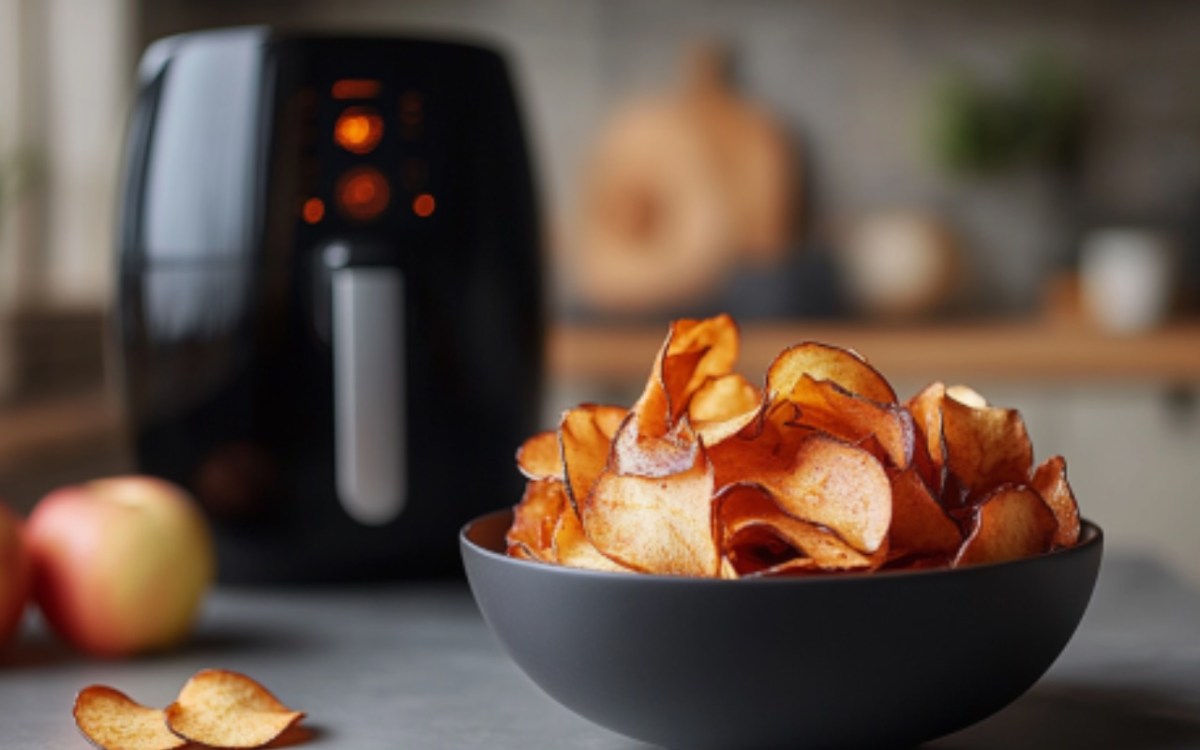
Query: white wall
{"x": 87, "y": 78}
{"x": 64, "y": 90}
{"x": 10, "y": 136}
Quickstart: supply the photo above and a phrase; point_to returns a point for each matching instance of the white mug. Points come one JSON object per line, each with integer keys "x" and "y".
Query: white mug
{"x": 1126, "y": 276}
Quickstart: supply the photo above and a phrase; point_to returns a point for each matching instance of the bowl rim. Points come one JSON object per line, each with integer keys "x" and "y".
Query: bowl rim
{"x": 1090, "y": 536}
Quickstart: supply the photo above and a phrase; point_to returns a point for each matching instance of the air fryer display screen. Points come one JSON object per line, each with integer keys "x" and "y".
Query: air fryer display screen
{"x": 366, "y": 154}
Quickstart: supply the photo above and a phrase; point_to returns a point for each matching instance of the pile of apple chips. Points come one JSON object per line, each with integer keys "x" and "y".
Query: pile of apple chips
{"x": 821, "y": 470}
{"x": 216, "y": 708}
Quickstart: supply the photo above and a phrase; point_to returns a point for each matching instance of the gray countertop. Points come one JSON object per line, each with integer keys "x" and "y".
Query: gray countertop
{"x": 415, "y": 667}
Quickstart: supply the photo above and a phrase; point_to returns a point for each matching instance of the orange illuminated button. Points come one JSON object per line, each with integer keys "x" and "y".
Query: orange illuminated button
{"x": 423, "y": 205}
{"x": 358, "y": 129}
{"x": 313, "y": 210}
{"x": 355, "y": 88}
{"x": 363, "y": 193}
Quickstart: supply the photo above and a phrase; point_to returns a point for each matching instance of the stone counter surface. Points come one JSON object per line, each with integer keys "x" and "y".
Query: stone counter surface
{"x": 414, "y": 667}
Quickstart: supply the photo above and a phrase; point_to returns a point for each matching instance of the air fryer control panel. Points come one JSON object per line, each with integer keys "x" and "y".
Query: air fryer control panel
{"x": 368, "y": 154}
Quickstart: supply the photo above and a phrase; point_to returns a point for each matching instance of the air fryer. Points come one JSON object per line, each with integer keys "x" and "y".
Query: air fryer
{"x": 329, "y": 307}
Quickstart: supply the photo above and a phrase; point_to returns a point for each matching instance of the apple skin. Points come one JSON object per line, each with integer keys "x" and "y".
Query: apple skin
{"x": 120, "y": 564}
{"x": 16, "y": 574}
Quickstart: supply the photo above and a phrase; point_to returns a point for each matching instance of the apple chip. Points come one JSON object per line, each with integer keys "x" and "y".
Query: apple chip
{"x": 539, "y": 457}
{"x": 794, "y": 568}
{"x": 1010, "y": 523}
{"x": 693, "y": 352}
{"x": 636, "y": 455}
{"x": 585, "y": 436}
{"x": 821, "y": 481}
{"x": 820, "y": 471}
{"x": 723, "y": 397}
{"x": 929, "y": 449}
{"x": 1050, "y": 481}
{"x": 723, "y": 406}
{"x": 920, "y": 526}
{"x": 656, "y": 524}
{"x": 757, "y": 535}
{"x": 226, "y": 709}
{"x": 965, "y": 394}
{"x": 755, "y": 548}
{"x": 573, "y": 549}
{"x": 986, "y": 447}
{"x": 826, "y": 406}
{"x": 113, "y": 721}
{"x": 844, "y": 367}
{"x": 534, "y": 519}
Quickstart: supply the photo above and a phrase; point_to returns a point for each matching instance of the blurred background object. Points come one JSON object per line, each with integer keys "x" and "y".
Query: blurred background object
{"x": 1033, "y": 120}
{"x": 900, "y": 265}
{"x": 1128, "y": 277}
{"x": 682, "y": 190}
{"x": 974, "y": 148}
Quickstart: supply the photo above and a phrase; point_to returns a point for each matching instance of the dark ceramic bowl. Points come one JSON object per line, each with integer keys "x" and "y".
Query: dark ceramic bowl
{"x": 884, "y": 660}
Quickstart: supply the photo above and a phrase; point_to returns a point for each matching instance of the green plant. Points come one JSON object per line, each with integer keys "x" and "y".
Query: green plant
{"x": 1036, "y": 120}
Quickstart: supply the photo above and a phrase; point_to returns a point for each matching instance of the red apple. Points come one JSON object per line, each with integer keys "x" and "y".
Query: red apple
{"x": 16, "y": 574}
{"x": 120, "y": 564}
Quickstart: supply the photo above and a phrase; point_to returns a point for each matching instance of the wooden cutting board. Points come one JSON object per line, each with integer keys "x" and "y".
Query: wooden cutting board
{"x": 682, "y": 188}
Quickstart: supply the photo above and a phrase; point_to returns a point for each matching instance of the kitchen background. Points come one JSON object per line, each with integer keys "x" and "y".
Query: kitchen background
{"x": 985, "y": 145}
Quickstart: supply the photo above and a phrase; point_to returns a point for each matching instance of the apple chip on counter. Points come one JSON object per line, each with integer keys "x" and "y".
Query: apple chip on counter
{"x": 227, "y": 709}
{"x": 216, "y": 708}
{"x": 113, "y": 721}
{"x": 821, "y": 470}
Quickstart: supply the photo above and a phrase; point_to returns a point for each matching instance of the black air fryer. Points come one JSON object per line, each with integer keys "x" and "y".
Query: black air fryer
{"x": 329, "y": 301}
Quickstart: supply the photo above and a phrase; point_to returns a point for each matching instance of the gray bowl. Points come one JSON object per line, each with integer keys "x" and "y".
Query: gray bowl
{"x": 890, "y": 659}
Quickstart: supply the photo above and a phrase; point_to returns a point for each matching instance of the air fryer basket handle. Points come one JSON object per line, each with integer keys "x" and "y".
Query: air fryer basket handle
{"x": 369, "y": 391}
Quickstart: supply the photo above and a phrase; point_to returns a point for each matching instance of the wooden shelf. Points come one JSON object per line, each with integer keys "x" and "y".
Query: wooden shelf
{"x": 992, "y": 351}
{"x": 621, "y": 356}
{"x": 31, "y": 432}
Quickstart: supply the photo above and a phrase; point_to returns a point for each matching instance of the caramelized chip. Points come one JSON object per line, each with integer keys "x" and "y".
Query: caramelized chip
{"x": 608, "y": 419}
{"x": 985, "y": 447}
{"x": 693, "y": 352}
{"x": 715, "y": 340}
{"x": 535, "y": 518}
{"x": 820, "y": 471}
{"x": 723, "y": 406}
{"x": 753, "y": 548}
{"x": 756, "y": 534}
{"x": 539, "y": 457}
{"x": 655, "y": 524}
{"x": 1010, "y": 523}
{"x": 714, "y": 433}
{"x": 967, "y": 395}
{"x": 113, "y": 721}
{"x": 794, "y": 568}
{"x": 723, "y": 397}
{"x": 1050, "y": 481}
{"x": 826, "y": 406}
{"x": 929, "y": 449}
{"x": 226, "y": 709}
{"x": 522, "y": 552}
{"x": 844, "y": 367}
{"x": 574, "y": 549}
{"x": 920, "y": 526}
{"x": 673, "y": 453}
{"x": 585, "y": 437}
{"x": 815, "y": 479}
